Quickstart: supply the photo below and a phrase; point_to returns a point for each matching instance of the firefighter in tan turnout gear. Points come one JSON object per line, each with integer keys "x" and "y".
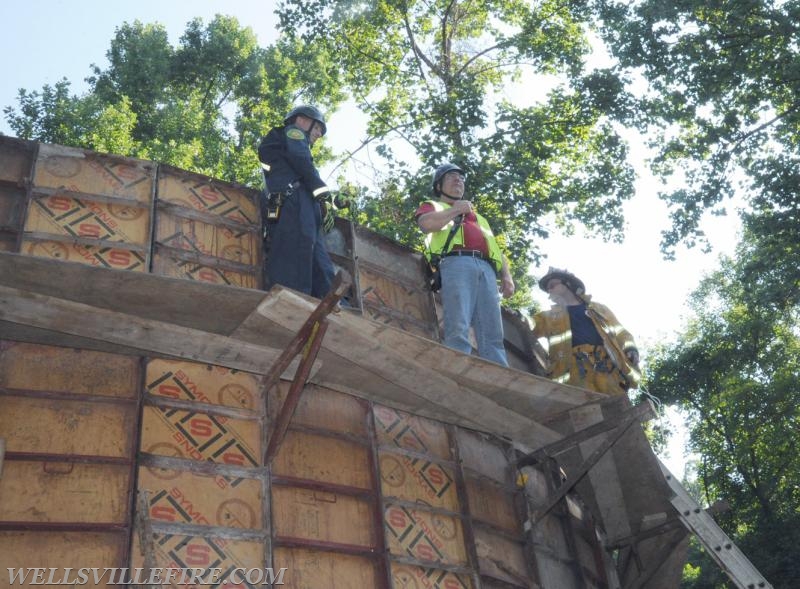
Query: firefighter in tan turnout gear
{"x": 587, "y": 346}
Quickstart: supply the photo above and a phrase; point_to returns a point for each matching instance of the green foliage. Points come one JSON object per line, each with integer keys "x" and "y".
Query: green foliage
{"x": 721, "y": 108}
{"x": 432, "y": 78}
{"x": 201, "y": 106}
{"x": 735, "y": 371}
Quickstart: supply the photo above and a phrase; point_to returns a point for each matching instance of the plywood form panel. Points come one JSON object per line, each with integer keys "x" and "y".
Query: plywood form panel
{"x": 204, "y": 383}
{"x": 502, "y": 558}
{"x": 66, "y": 427}
{"x": 63, "y": 550}
{"x": 167, "y": 265}
{"x": 411, "y": 432}
{"x": 323, "y": 409}
{"x": 200, "y": 193}
{"x": 393, "y": 303}
{"x": 411, "y": 577}
{"x": 484, "y": 455}
{"x": 314, "y": 569}
{"x": 67, "y": 370}
{"x": 322, "y": 516}
{"x": 200, "y": 436}
{"x": 211, "y": 500}
{"x": 492, "y": 504}
{"x": 85, "y": 217}
{"x": 424, "y": 536}
{"x": 177, "y": 551}
{"x": 418, "y": 480}
{"x": 99, "y": 257}
{"x": 197, "y": 237}
{"x": 115, "y": 208}
{"x": 321, "y": 458}
{"x": 78, "y": 170}
{"x": 63, "y": 492}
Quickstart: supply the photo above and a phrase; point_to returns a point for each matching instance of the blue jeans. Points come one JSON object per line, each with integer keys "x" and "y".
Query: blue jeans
{"x": 470, "y": 298}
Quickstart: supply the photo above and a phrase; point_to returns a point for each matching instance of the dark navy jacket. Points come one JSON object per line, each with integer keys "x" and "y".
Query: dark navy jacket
{"x": 285, "y": 155}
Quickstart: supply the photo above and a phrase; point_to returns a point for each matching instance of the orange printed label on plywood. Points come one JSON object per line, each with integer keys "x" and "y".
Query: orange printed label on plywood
{"x": 424, "y": 535}
{"x": 204, "y": 383}
{"x": 200, "y": 436}
{"x": 192, "y": 192}
{"x": 189, "y": 498}
{"x": 411, "y": 577}
{"x": 416, "y": 479}
{"x": 411, "y": 432}
{"x": 101, "y": 257}
{"x": 83, "y": 171}
{"x": 203, "y": 238}
{"x": 64, "y": 215}
{"x": 206, "y": 553}
{"x": 168, "y": 266}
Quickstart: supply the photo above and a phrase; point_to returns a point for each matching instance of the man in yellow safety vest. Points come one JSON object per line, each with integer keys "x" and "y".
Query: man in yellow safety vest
{"x": 471, "y": 264}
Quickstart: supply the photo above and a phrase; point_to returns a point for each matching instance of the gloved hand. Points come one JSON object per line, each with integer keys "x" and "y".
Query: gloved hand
{"x": 328, "y": 215}
{"x": 343, "y": 200}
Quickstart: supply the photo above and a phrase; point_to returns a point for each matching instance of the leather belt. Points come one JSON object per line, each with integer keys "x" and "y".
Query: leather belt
{"x": 468, "y": 253}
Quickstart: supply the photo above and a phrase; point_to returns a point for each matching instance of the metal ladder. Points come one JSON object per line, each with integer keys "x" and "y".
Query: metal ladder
{"x": 716, "y": 542}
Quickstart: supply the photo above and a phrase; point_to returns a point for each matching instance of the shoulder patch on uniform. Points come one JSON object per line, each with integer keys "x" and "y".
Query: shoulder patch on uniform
{"x": 295, "y": 133}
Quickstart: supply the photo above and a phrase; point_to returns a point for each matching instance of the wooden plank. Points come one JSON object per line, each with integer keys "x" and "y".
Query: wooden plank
{"x": 357, "y": 339}
{"x": 202, "y": 306}
{"x": 146, "y": 335}
{"x": 322, "y": 408}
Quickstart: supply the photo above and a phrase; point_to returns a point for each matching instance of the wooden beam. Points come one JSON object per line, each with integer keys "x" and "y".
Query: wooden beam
{"x": 352, "y": 338}
{"x": 641, "y": 412}
{"x": 593, "y": 459}
{"x": 54, "y": 314}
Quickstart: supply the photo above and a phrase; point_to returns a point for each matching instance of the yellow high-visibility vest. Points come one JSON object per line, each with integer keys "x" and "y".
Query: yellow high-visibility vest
{"x": 434, "y": 242}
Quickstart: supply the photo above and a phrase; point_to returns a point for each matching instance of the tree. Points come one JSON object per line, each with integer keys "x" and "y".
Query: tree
{"x": 201, "y": 106}
{"x": 721, "y": 103}
{"x": 432, "y": 78}
{"x": 735, "y": 371}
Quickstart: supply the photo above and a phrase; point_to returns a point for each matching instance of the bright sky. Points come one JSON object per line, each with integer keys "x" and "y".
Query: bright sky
{"x": 45, "y": 40}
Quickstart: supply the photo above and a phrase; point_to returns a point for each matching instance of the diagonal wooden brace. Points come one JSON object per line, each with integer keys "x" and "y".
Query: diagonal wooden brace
{"x": 341, "y": 283}
{"x": 641, "y": 412}
{"x": 308, "y": 340}
{"x": 630, "y": 418}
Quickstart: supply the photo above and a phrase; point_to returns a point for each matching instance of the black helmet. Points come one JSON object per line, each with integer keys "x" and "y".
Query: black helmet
{"x": 571, "y": 281}
{"x": 441, "y": 171}
{"x": 312, "y": 112}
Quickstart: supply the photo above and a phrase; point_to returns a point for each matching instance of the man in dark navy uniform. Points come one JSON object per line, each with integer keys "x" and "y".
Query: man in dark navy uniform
{"x": 297, "y": 196}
